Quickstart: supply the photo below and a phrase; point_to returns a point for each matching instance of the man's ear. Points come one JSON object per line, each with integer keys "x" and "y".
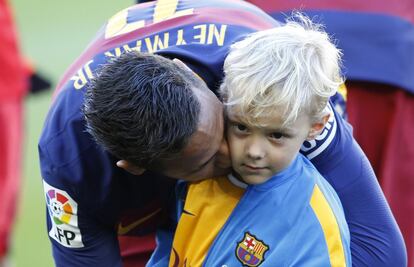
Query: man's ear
{"x": 183, "y": 65}
{"x": 317, "y": 127}
{"x": 135, "y": 170}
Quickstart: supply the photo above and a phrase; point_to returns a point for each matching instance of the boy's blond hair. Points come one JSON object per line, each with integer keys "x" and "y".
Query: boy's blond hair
{"x": 286, "y": 70}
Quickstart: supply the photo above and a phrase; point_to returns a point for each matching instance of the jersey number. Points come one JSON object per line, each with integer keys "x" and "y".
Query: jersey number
{"x": 164, "y": 10}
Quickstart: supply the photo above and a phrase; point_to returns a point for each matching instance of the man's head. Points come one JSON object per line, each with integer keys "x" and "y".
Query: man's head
{"x": 276, "y": 88}
{"x": 155, "y": 114}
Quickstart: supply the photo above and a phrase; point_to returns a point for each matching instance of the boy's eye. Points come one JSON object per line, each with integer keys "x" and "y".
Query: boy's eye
{"x": 276, "y": 135}
{"x": 240, "y": 127}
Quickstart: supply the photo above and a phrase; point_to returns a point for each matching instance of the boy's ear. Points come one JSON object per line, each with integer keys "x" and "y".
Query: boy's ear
{"x": 135, "y": 170}
{"x": 317, "y": 127}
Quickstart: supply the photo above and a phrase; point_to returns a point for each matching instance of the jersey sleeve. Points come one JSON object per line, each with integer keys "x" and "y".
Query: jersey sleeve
{"x": 102, "y": 249}
{"x": 87, "y": 196}
{"x": 375, "y": 237}
{"x": 78, "y": 236}
{"x": 77, "y": 181}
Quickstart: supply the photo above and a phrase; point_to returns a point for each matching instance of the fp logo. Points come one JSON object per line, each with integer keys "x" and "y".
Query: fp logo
{"x": 62, "y": 211}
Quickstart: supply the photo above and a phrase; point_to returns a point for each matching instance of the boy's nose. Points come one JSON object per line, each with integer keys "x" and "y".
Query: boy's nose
{"x": 255, "y": 150}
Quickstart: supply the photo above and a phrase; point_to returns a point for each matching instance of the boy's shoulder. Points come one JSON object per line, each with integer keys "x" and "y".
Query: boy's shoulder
{"x": 322, "y": 202}
{"x": 313, "y": 181}
{"x": 304, "y": 192}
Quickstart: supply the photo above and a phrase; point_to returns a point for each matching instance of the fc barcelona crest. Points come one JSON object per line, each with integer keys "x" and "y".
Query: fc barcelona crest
{"x": 250, "y": 251}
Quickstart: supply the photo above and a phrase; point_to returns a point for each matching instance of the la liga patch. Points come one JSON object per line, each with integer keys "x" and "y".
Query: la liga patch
{"x": 62, "y": 210}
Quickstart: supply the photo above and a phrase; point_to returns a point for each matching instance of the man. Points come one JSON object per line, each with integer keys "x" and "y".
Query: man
{"x": 90, "y": 200}
{"x": 88, "y": 196}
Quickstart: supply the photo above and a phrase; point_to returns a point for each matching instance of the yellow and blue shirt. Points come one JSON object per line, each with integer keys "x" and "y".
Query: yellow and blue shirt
{"x": 293, "y": 219}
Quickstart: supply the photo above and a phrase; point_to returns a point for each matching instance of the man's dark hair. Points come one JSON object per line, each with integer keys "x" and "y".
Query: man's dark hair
{"x": 141, "y": 108}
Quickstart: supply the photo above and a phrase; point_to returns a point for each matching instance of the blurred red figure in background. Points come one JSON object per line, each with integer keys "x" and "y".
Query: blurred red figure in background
{"x": 377, "y": 39}
{"x": 13, "y": 86}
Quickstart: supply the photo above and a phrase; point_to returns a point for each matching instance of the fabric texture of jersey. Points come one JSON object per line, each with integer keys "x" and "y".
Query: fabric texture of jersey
{"x": 89, "y": 199}
{"x": 294, "y": 218}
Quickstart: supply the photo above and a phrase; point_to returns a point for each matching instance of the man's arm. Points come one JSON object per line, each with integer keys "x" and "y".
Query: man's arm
{"x": 101, "y": 249}
{"x": 77, "y": 234}
{"x": 77, "y": 237}
{"x": 78, "y": 188}
{"x": 375, "y": 237}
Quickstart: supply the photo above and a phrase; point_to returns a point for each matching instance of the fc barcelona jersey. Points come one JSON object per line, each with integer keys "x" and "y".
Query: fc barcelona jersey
{"x": 293, "y": 219}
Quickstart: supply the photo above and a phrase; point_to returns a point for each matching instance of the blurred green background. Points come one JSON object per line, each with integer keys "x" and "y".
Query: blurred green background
{"x": 52, "y": 35}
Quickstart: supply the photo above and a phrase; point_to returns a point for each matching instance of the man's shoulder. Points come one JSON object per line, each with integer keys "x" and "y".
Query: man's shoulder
{"x": 329, "y": 149}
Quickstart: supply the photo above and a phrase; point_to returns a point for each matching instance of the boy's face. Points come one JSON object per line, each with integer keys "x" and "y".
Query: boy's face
{"x": 258, "y": 153}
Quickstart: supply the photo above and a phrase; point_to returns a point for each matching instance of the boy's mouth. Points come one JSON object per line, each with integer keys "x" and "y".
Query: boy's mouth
{"x": 253, "y": 167}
